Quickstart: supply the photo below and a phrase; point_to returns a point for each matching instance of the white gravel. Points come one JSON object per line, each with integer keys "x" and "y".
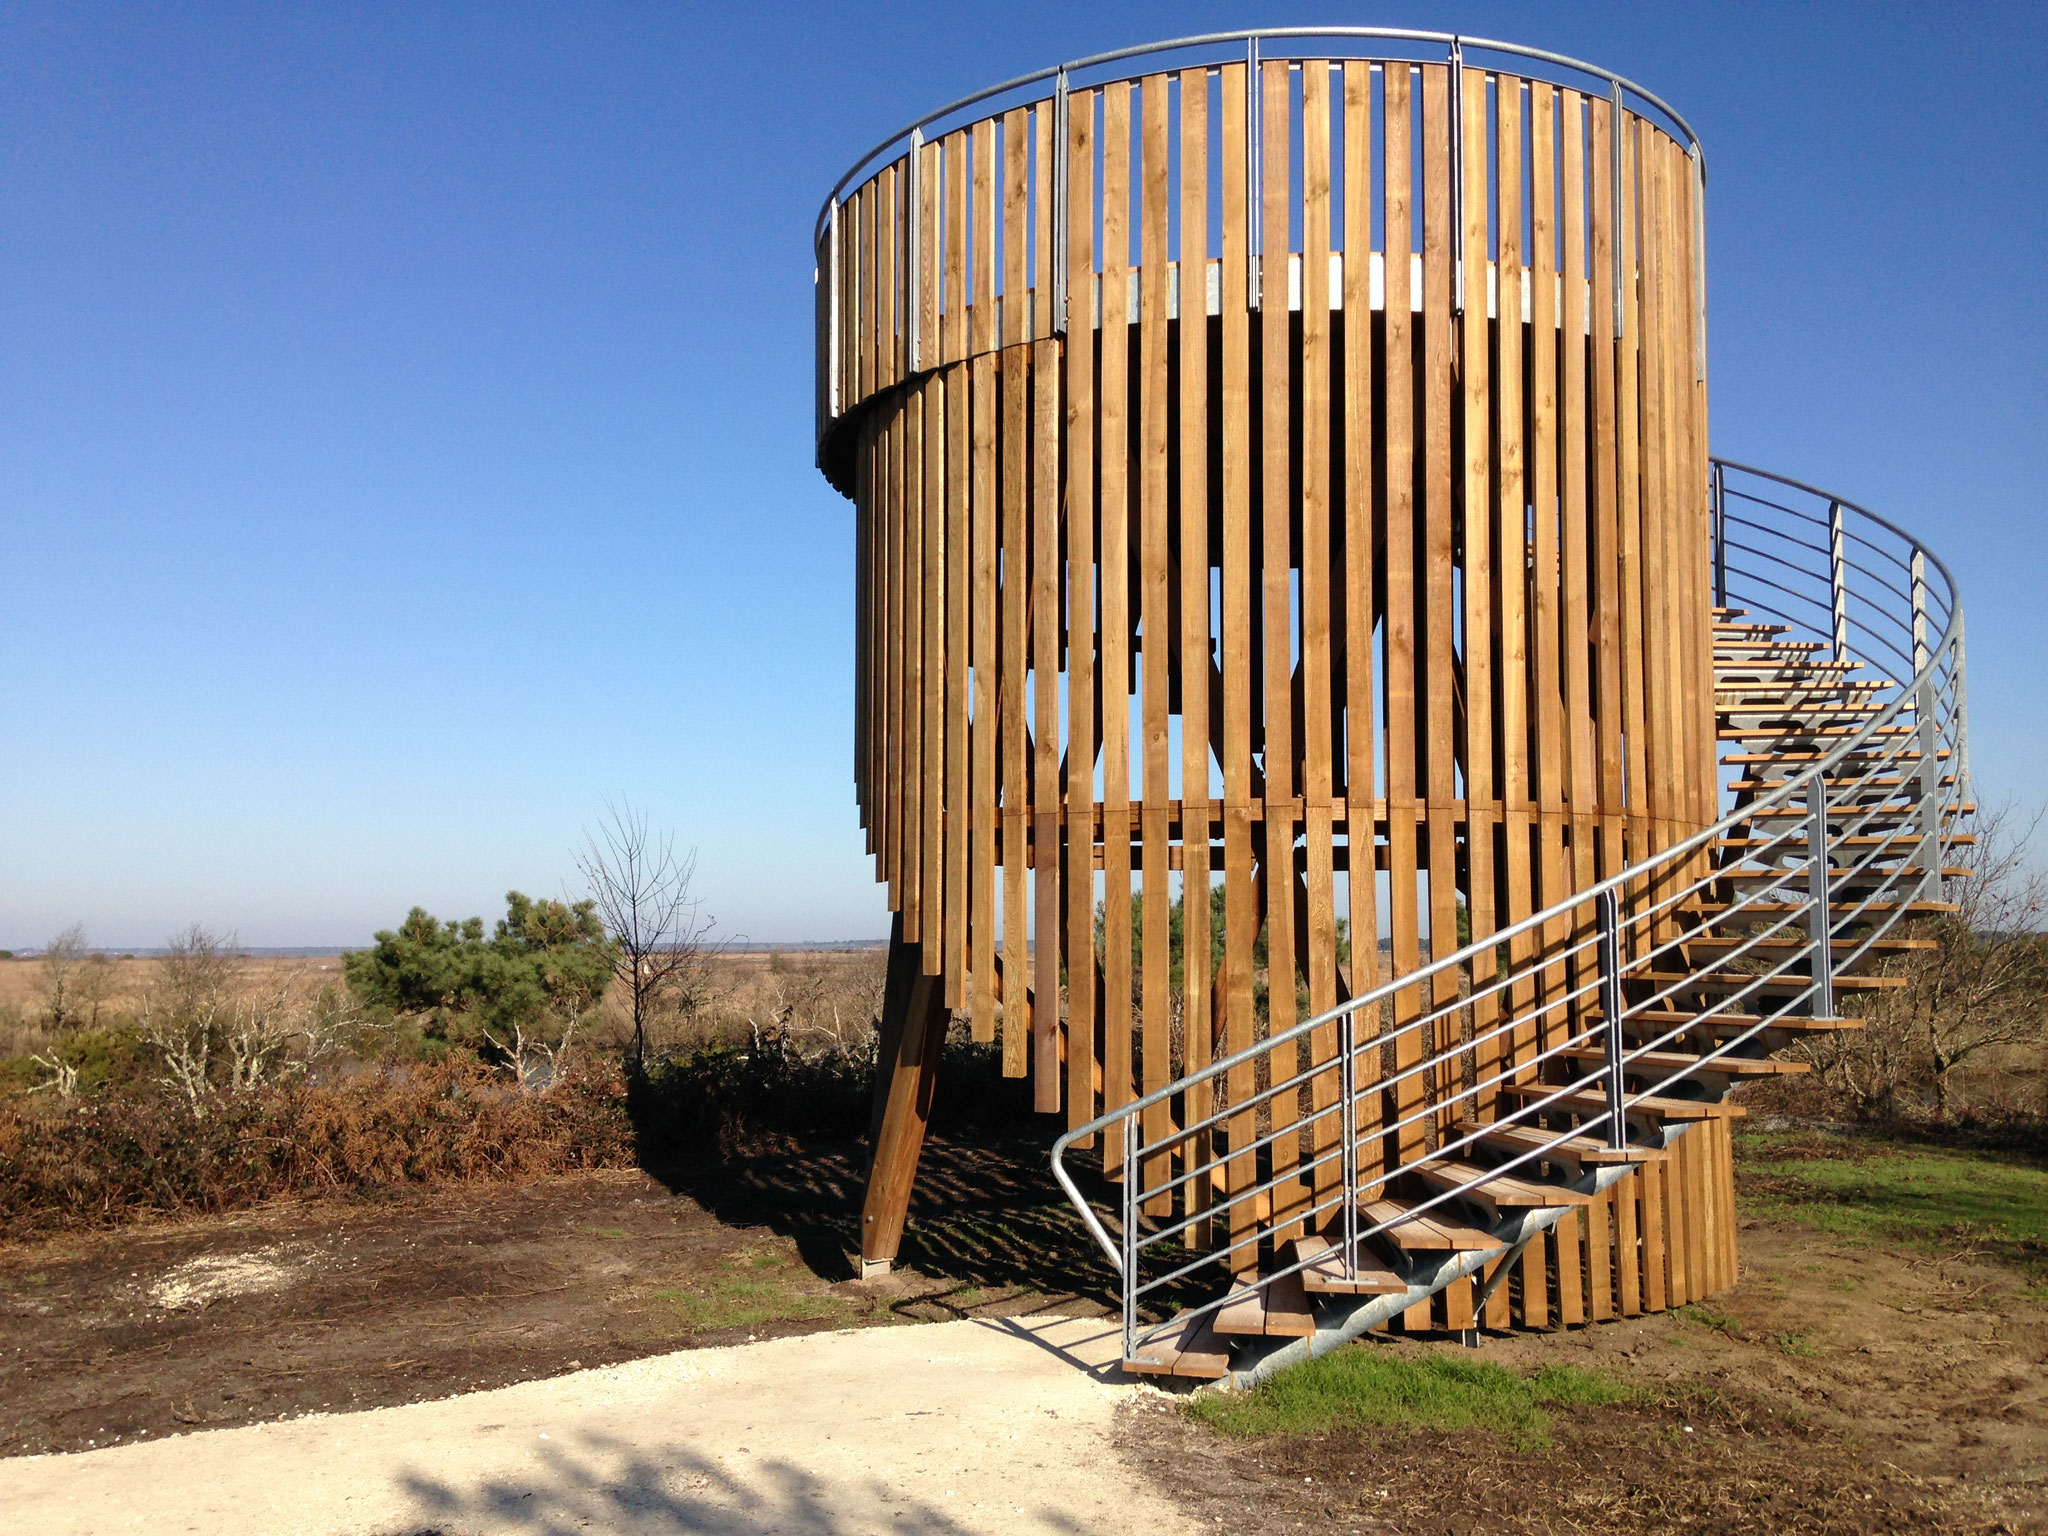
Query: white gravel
{"x": 977, "y": 1426}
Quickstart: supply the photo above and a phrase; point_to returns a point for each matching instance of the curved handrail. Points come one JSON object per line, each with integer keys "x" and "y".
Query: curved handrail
{"x": 1453, "y": 42}
{"x": 1841, "y": 810}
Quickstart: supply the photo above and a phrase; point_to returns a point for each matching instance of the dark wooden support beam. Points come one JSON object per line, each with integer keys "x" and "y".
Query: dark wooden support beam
{"x": 914, "y": 1017}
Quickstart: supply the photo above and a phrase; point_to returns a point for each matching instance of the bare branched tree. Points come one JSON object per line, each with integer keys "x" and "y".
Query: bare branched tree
{"x": 64, "y": 963}
{"x": 1982, "y": 988}
{"x": 184, "y": 1008}
{"x": 262, "y": 1022}
{"x": 642, "y": 888}
{"x": 538, "y": 1050}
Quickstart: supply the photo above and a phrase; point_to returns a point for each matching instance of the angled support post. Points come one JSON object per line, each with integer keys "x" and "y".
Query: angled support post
{"x": 914, "y": 1019}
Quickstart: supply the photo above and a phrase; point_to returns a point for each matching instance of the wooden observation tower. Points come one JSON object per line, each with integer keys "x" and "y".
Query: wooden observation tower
{"x": 1284, "y": 516}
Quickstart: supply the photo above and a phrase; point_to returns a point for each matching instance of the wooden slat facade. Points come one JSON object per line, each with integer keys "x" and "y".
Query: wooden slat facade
{"x": 1341, "y": 562}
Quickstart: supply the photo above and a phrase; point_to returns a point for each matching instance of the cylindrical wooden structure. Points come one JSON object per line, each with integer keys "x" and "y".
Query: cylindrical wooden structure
{"x": 1281, "y": 480}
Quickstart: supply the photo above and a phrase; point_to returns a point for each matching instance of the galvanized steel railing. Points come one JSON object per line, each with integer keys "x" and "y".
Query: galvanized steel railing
{"x": 1560, "y": 1012}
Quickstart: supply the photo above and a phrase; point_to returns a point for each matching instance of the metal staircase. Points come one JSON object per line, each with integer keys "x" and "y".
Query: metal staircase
{"x": 1343, "y": 1171}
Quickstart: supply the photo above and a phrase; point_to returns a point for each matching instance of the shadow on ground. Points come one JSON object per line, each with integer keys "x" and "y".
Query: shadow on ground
{"x": 615, "y": 1486}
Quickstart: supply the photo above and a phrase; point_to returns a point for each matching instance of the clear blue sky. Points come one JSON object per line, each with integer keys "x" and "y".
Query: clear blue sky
{"x": 405, "y": 412}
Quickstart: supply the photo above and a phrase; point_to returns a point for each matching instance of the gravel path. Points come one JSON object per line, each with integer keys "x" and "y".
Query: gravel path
{"x": 975, "y": 1426}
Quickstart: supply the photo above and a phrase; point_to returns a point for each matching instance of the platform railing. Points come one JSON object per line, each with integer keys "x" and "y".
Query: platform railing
{"x": 1721, "y": 936}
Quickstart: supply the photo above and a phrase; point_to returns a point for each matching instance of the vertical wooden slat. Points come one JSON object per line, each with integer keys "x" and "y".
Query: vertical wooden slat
{"x": 888, "y": 671}
{"x": 1115, "y": 679}
{"x": 931, "y": 952}
{"x": 1240, "y": 913}
{"x": 1317, "y": 746}
{"x": 1080, "y": 526}
{"x": 1155, "y": 599}
{"x": 1482, "y": 790}
{"x": 910, "y": 723}
{"x": 1401, "y": 580}
{"x": 887, "y": 216}
{"x": 1276, "y": 565}
{"x": 959, "y": 584}
{"x": 1042, "y": 253}
{"x": 864, "y": 325}
{"x": 982, "y": 770}
{"x": 1438, "y": 679}
{"x": 1045, "y": 784}
{"x": 1193, "y": 508}
{"x": 1571, "y": 1291}
{"x": 953, "y": 327}
{"x": 1628, "y": 1257}
{"x": 1511, "y": 564}
{"x": 1628, "y": 510}
{"x": 1576, "y": 568}
{"x": 925, "y": 251}
{"x": 1360, "y": 778}
{"x": 1013, "y": 667}
{"x": 1608, "y": 748}
{"x": 1547, "y": 693}
{"x": 1600, "y": 1251}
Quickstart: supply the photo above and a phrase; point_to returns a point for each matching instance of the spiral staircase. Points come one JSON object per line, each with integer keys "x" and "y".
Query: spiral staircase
{"x": 1438, "y": 1125}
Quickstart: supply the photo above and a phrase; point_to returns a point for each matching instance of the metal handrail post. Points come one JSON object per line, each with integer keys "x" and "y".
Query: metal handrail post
{"x": 1819, "y": 929}
{"x": 1720, "y": 493}
{"x": 1348, "y": 1089}
{"x": 1130, "y": 1236}
{"x": 1838, "y": 579}
{"x": 1928, "y": 739}
{"x": 1607, "y": 914}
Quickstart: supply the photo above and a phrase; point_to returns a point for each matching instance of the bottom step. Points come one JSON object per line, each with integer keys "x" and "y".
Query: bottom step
{"x": 1193, "y": 1349}
{"x": 1324, "y": 1270}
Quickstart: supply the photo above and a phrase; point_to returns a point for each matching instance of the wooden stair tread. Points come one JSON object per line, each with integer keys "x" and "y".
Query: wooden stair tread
{"x": 1780, "y": 908}
{"x": 1431, "y": 1231}
{"x": 1726, "y": 1066}
{"x": 1592, "y": 1100}
{"x": 1497, "y": 1191}
{"x": 1324, "y": 1271}
{"x": 1276, "y": 1307}
{"x": 1194, "y": 1349}
{"x": 1875, "y": 946}
{"x": 1733, "y": 1023}
{"x": 1736, "y": 981}
{"x": 1572, "y": 1149}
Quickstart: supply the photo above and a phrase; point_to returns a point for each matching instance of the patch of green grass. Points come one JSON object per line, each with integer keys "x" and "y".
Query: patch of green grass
{"x": 1367, "y": 1386}
{"x": 747, "y": 1290}
{"x": 1797, "y": 1344}
{"x": 1707, "y": 1317}
{"x": 1931, "y": 1197}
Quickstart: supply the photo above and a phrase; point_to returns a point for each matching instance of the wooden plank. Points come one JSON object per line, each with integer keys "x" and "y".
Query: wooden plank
{"x": 889, "y": 652}
{"x": 1082, "y": 1055}
{"x": 1551, "y": 744}
{"x": 1115, "y": 678}
{"x": 1240, "y": 913}
{"x": 1277, "y": 605}
{"x": 933, "y": 731}
{"x": 907, "y": 1073}
{"x": 1042, "y": 254}
{"x": 1434, "y": 1230}
{"x": 1360, "y": 544}
{"x": 1438, "y": 681}
{"x": 953, "y": 325}
{"x": 1045, "y": 632}
{"x": 925, "y": 244}
{"x": 1276, "y": 1308}
{"x": 910, "y": 833}
{"x": 1511, "y": 565}
{"x": 1401, "y": 596}
{"x": 1609, "y": 749}
{"x": 1571, "y": 1285}
{"x": 1628, "y": 537}
{"x": 1014, "y": 662}
{"x": 1324, "y": 1272}
{"x": 959, "y": 585}
{"x": 1193, "y": 1349}
{"x": 1576, "y": 572}
{"x": 981, "y": 926}
{"x": 1317, "y": 660}
{"x": 886, "y": 223}
{"x": 1155, "y": 602}
{"x": 1482, "y": 785}
{"x": 1650, "y": 1220}
{"x": 1193, "y": 464}
{"x": 1628, "y": 1257}
{"x": 1600, "y": 1255}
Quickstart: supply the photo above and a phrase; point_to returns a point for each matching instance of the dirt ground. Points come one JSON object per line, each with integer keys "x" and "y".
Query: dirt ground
{"x": 134, "y": 1334}
{"x": 1836, "y": 1389}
